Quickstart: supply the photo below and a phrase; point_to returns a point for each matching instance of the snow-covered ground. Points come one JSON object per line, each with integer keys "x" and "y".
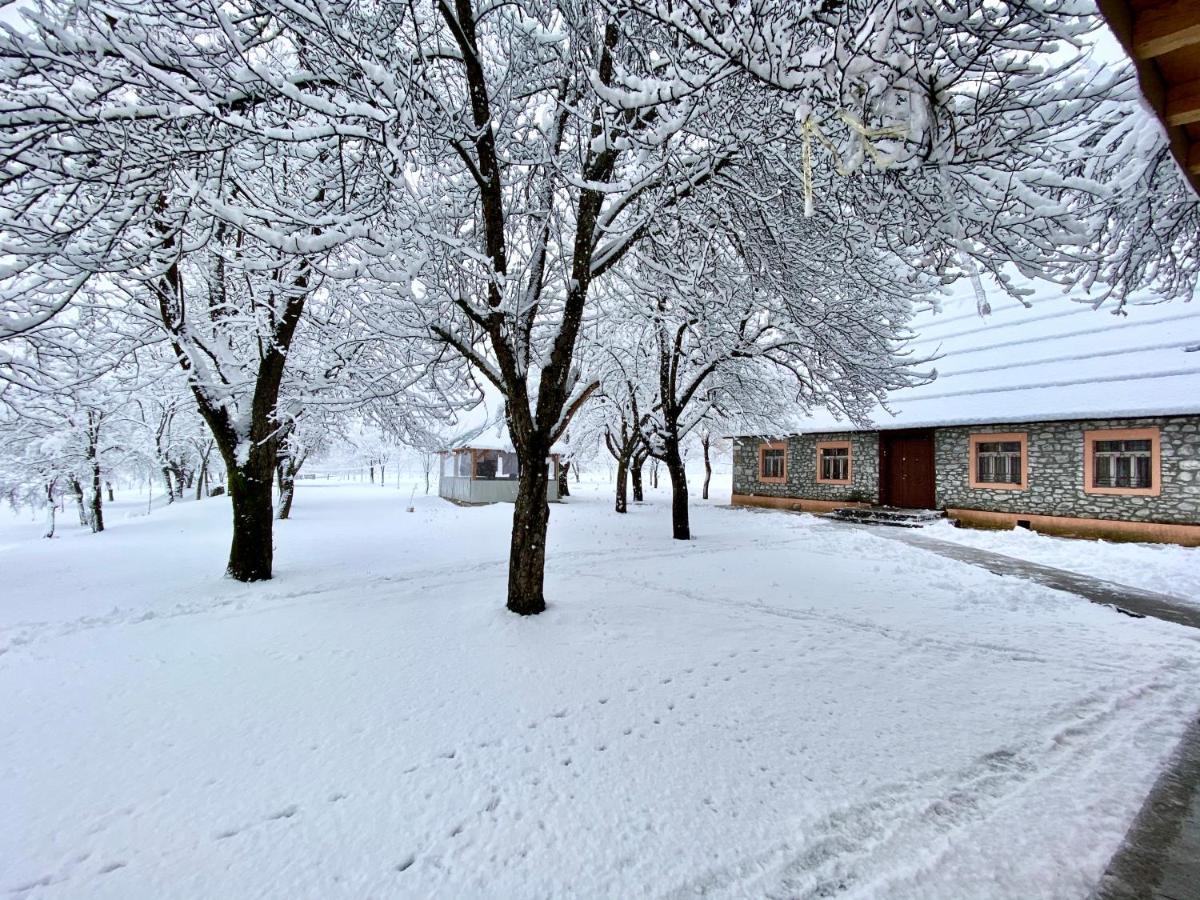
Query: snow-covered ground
{"x": 1166, "y": 568}
{"x": 781, "y": 707}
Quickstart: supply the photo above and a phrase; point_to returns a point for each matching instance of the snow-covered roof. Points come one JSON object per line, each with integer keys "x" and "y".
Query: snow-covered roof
{"x": 1057, "y": 359}
{"x": 484, "y": 428}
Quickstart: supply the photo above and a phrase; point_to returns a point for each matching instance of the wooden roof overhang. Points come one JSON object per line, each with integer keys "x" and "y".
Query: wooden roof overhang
{"x": 1162, "y": 37}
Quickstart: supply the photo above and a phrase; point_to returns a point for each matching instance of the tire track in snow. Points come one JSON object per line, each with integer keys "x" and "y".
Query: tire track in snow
{"x": 863, "y": 848}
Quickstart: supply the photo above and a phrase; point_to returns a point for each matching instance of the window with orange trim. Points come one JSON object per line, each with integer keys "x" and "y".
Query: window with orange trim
{"x": 1122, "y": 461}
{"x": 772, "y": 463}
{"x": 833, "y": 462}
{"x": 999, "y": 461}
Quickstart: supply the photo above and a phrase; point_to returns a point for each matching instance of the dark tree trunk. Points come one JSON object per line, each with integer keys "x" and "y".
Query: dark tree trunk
{"x": 622, "y": 504}
{"x": 77, "y": 490}
{"x": 382, "y": 475}
{"x": 654, "y": 474}
{"x": 639, "y": 461}
{"x": 704, "y": 442}
{"x": 251, "y": 553}
{"x": 108, "y": 484}
{"x": 680, "y": 527}
{"x": 287, "y": 492}
{"x": 531, "y": 517}
{"x": 564, "y": 489}
{"x": 97, "y": 510}
{"x": 372, "y": 474}
{"x": 166, "y": 474}
{"x": 51, "y": 507}
{"x": 95, "y": 515}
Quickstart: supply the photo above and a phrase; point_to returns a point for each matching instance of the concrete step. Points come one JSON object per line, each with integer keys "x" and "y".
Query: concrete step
{"x": 886, "y": 515}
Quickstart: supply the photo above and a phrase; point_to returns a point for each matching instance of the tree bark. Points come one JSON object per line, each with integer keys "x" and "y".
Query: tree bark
{"x": 622, "y": 504}
{"x": 680, "y": 527}
{"x": 97, "y": 511}
{"x": 287, "y": 490}
{"x": 654, "y": 474}
{"x": 704, "y": 442}
{"x": 51, "y": 507}
{"x": 251, "y": 553}
{"x": 108, "y": 484}
{"x": 166, "y": 474}
{"x": 639, "y": 460}
{"x": 564, "y": 489}
{"x": 77, "y": 490}
{"x": 527, "y": 554}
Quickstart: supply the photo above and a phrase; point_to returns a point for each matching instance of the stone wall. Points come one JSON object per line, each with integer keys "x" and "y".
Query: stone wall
{"x": 802, "y": 468}
{"x": 1055, "y": 486}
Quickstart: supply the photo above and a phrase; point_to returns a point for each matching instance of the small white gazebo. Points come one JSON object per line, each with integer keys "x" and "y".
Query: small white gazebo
{"x": 480, "y": 465}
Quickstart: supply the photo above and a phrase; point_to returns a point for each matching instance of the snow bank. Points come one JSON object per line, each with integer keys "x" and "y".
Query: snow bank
{"x": 1165, "y": 568}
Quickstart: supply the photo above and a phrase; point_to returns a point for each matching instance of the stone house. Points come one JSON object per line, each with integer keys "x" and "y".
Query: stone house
{"x": 1057, "y": 418}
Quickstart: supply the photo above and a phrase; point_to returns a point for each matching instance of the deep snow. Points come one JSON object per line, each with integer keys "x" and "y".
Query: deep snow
{"x": 781, "y": 707}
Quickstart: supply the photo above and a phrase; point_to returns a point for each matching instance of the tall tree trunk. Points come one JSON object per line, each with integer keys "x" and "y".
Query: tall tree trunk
{"x": 50, "y": 506}
{"x": 564, "y": 489}
{"x": 639, "y": 461}
{"x": 77, "y": 490}
{"x": 680, "y": 527}
{"x": 202, "y": 480}
{"x": 622, "y": 504}
{"x": 166, "y": 474}
{"x": 108, "y": 484}
{"x": 654, "y": 474}
{"x": 287, "y": 488}
{"x": 531, "y": 517}
{"x": 97, "y": 511}
{"x": 704, "y": 442}
{"x": 382, "y": 475}
{"x": 372, "y": 474}
{"x": 251, "y": 553}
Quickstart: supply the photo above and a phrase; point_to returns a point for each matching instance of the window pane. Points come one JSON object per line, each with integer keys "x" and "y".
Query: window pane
{"x": 507, "y": 466}
{"x": 1142, "y": 472}
{"x": 485, "y": 463}
{"x": 772, "y": 463}
{"x": 998, "y": 462}
{"x": 1122, "y": 464}
{"x": 835, "y": 463}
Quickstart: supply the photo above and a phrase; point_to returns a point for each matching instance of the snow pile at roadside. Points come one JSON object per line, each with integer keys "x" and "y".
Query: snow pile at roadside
{"x": 781, "y": 707}
{"x": 1165, "y": 568}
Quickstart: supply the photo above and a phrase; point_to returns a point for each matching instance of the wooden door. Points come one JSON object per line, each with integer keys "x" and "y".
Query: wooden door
{"x": 906, "y": 469}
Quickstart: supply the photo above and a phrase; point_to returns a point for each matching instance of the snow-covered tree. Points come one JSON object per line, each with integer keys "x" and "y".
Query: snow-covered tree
{"x": 473, "y": 173}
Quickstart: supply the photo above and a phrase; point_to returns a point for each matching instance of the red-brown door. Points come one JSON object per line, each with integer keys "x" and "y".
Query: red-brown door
{"x": 906, "y": 469}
